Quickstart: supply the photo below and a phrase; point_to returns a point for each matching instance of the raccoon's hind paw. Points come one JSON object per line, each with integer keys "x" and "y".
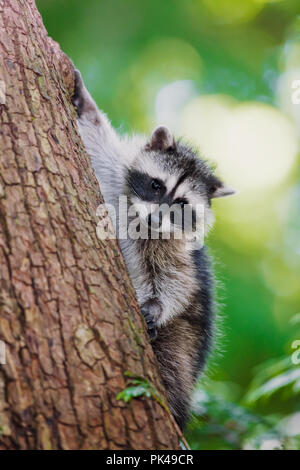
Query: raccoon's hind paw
{"x": 151, "y": 311}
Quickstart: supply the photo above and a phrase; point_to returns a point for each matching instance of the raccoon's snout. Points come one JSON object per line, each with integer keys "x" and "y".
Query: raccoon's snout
{"x": 155, "y": 220}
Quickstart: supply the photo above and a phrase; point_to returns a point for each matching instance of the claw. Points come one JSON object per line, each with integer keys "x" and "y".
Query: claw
{"x": 151, "y": 324}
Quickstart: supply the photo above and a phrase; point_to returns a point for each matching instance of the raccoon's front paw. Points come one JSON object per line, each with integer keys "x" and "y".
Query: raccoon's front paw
{"x": 151, "y": 323}
{"x": 85, "y": 105}
{"x": 78, "y": 95}
{"x": 151, "y": 311}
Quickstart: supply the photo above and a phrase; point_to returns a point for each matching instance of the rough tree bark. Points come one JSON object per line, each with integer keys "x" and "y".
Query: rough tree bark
{"x": 68, "y": 314}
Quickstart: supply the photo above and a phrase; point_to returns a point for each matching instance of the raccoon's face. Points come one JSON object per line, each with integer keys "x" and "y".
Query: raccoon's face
{"x": 170, "y": 187}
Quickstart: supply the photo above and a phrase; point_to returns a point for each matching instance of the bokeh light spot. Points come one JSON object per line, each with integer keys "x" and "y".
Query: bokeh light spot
{"x": 236, "y": 11}
{"x": 254, "y": 145}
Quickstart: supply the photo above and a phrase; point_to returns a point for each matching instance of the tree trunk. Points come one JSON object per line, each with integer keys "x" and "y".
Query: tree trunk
{"x": 69, "y": 320}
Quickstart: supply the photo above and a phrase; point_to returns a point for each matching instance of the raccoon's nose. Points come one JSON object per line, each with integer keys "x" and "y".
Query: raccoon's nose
{"x": 153, "y": 219}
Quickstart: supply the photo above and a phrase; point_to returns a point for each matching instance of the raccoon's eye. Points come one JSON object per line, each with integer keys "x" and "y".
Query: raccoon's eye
{"x": 155, "y": 185}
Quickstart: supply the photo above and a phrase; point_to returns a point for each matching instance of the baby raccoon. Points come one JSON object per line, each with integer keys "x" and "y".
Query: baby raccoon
{"x": 171, "y": 275}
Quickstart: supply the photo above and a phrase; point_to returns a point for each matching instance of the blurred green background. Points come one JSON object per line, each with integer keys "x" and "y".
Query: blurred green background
{"x": 220, "y": 73}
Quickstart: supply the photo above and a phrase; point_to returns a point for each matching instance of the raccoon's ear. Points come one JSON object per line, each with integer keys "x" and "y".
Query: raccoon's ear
{"x": 222, "y": 190}
{"x": 161, "y": 139}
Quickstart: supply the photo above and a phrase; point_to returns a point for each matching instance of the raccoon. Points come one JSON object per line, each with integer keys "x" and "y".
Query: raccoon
{"x": 172, "y": 276}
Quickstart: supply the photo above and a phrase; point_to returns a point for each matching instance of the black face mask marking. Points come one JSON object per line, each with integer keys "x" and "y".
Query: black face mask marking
{"x": 145, "y": 187}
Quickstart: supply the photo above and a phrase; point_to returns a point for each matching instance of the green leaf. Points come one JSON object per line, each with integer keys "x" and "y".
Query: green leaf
{"x": 273, "y": 385}
{"x": 133, "y": 392}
